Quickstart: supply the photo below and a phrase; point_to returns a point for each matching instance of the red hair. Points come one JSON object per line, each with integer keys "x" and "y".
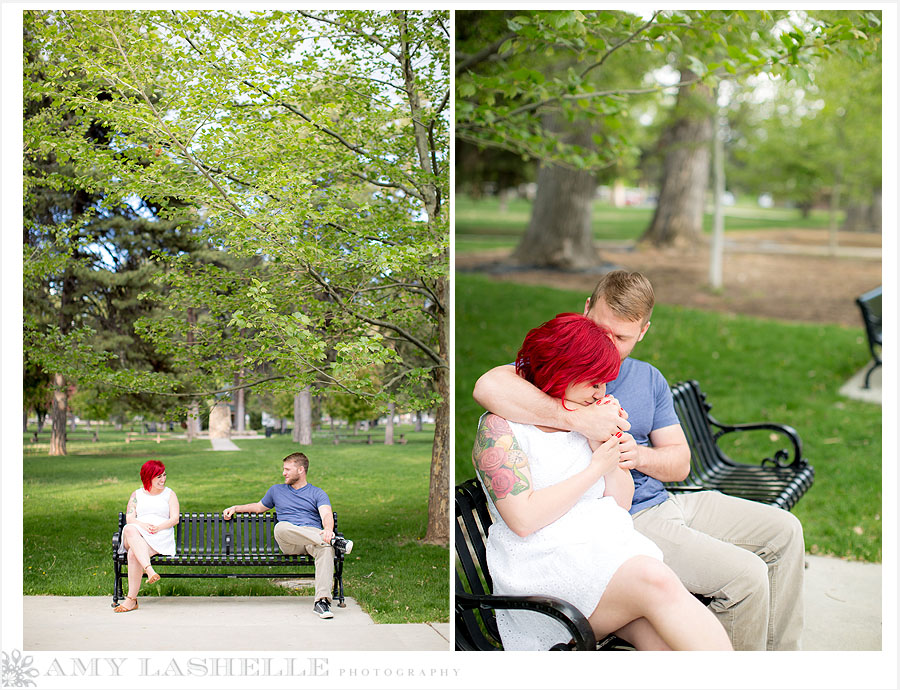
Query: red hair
{"x": 150, "y": 470}
{"x": 569, "y": 348}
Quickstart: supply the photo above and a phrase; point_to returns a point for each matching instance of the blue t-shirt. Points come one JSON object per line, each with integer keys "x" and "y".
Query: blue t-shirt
{"x": 645, "y": 394}
{"x": 298, "y": 506}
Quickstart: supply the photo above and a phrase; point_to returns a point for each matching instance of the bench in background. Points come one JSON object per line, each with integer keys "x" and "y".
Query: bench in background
{"x": 870, "y": 306}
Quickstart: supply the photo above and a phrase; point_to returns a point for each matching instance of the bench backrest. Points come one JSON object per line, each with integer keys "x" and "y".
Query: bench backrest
{"x": 211, "y": 533}
{"x": 473, "y": 630}
{"x": 870, "y": 306}
{"x": 693, "y": 413}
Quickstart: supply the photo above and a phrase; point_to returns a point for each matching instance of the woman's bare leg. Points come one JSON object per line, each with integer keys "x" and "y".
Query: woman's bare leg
{"x": 139, "y": 553}
{"x": 644, "y": 587}
{"x": 643, "y": 636}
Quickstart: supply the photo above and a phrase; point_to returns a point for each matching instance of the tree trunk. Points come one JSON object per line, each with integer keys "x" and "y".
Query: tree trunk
{"x": 302, "y": 433}
{"x": 193, "y": 420}
{"x": 717, "y": 245}
{"x": 237, "y": 399}
{"x": 418, "y": 420}
{"x": 192, "y": 429}
{"x": 439, "y": 488}
{"x": 389, "y": 427}
{"x": 834, "y": 206}
{"x": 863, "y": 217}
{"x": 559, "y": 232}
{"x": 678, "y": 219}
{"x": 58, "y": 414}
{"x": 438, "y": 531}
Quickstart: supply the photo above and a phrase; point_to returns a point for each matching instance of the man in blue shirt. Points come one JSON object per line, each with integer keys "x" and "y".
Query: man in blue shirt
{"x": 747, "y": 557}
{"x": 305, "y": 524}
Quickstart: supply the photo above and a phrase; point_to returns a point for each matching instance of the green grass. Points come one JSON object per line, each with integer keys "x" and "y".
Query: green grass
{"x": 481, "y": 224}
{"x": 753, "y": 370}
{"x": 379, "y": 492}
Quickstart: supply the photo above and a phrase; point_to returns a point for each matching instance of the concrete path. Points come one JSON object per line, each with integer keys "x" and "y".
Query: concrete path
{"x": 854, "y": 386}
{"x": 216, "y": 624}
{"x": 842, "y": 605}
{"x": 842, "y": 598}
{"x": 223, "y": 444}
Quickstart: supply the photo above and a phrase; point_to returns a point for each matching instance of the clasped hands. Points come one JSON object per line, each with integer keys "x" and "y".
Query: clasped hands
{"x": 603, "y": 420}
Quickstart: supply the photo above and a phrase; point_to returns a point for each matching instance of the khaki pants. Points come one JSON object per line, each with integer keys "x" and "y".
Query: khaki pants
{"x": 747, "y": 556}
{"x": 295, "y": 540}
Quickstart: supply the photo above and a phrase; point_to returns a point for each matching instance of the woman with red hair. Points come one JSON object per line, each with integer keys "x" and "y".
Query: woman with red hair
{"x": 560, "y": 507}
{"x": 151, "y": 516}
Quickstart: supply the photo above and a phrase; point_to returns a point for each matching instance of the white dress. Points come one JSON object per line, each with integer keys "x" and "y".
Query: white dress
{"x": 154, "y": 510}
{"x": 573, "y": 558}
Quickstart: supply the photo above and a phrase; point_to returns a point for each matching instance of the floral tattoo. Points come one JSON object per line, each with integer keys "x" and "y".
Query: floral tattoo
{"x": 498, "y": 458}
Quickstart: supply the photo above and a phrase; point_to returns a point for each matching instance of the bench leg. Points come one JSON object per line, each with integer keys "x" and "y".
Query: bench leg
{"x": 118, "y": 595}
{"x": 869, "y": 373}
{"x": 337, "y": 593}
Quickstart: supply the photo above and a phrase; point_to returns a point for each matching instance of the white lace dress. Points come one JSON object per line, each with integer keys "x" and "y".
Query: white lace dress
{"x": 154, "y": 510}
{"x": 573, "y": 558}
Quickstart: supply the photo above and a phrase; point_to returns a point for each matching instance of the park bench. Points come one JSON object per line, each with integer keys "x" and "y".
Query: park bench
{"x": 158, "y": 436}
{"x": 870, "y": 306}
{"x": 207, "y": 540}
{"x": 780, "y": 480}
{"x": 367, "y": 439}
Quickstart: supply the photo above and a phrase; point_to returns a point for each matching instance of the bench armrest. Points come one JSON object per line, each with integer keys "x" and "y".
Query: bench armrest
{"x": 563, "y": 611}
{"x": 782, "y": 456}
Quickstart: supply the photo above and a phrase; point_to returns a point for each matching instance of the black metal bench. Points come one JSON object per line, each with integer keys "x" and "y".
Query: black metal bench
{"x": 780, "y": 480}
{"x": 870, "y": 306}
{"x": 208, "y": 540}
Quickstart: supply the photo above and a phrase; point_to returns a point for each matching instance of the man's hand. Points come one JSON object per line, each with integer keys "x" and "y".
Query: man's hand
{"x": 599, "y": 421}
{"x": 228, "y": 512}
{"x": 628, "y": 451}
{"x": 327, "y": 536}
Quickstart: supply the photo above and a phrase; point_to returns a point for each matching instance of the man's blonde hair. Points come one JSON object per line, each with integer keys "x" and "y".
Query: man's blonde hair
{"x": 627, "y": 294}
{"x": 298, "y": 459}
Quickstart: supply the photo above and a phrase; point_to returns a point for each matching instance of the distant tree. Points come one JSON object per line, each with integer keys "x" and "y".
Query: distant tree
{"x": 350, "y": 408}
{"x": 505, "y": 88}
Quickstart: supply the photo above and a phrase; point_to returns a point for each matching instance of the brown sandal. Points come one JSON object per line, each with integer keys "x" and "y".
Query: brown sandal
{"x": 122, "y": 609}
{"x": 152, "y": 578}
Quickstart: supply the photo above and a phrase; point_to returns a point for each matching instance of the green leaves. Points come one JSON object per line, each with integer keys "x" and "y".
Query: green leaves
{"x": 619, "y": 55}
{"x": 314, "y": 176}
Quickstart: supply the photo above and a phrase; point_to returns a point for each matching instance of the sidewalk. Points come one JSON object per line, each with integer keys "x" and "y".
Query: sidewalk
{"x": 842, "y": 598}
{"x": 216, "y": 624}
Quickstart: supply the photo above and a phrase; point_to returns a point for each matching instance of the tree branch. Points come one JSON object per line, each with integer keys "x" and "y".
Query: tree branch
{"x": 363, "y": 34}
{"x": 483, "y": 54}
{"x": 409, "y": 337}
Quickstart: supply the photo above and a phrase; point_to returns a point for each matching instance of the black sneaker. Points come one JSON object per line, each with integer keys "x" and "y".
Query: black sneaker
{"x": 342, "y": 545}
{"x": 322, "y": 609}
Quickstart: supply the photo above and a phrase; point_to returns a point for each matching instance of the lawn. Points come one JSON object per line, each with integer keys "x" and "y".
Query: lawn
{"x": 482, "y": 224}
{"x": 379, "y": 492}
{"x": 753, "y": 370}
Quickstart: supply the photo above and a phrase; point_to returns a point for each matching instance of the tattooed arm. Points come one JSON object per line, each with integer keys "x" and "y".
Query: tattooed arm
{"x": 131, "y": 517}
{"x": 505, "y": 471}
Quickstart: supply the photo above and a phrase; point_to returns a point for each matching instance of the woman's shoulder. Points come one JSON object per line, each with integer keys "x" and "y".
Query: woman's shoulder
{"x": 494, "y": 425}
